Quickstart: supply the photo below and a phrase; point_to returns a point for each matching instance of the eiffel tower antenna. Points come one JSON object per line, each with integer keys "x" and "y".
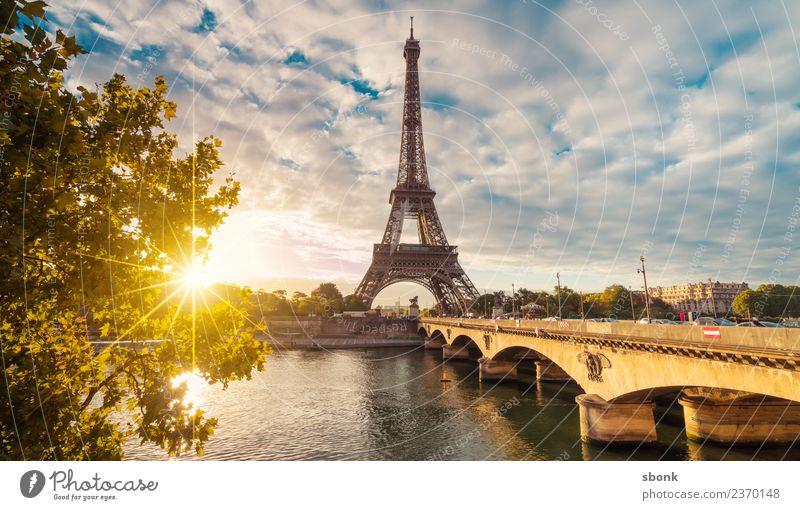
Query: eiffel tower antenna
{"x": 432, "y": 262}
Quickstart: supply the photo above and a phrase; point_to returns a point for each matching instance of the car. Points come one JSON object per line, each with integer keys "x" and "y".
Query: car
{"x": 760, "y": 324}
{"x": 713, "y": 321}
{"x": 552, "y": 319}
{"x": 791, "y": 323}
{"x": 602, "y": 319}
{"x": 645, "y": 320}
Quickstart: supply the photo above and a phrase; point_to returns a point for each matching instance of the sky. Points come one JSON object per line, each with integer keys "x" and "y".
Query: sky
{"x": 569, "y": 137}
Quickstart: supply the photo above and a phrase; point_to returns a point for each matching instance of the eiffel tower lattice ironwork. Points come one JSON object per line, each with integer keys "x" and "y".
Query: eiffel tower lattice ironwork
{"x": 433, "y": 263}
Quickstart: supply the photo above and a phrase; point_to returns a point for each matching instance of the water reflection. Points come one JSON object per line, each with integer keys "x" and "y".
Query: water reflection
{"x": 391, "y": 404}
{"x": 196, "y": 389}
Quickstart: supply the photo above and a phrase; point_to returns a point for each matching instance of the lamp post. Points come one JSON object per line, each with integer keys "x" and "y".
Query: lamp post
{"x": 513, "y": 301}
{"x": 646, "y": 293}
{"x": 558, "y": 293}
{"x": 711, "y": 293}
{"x": 580, "y": 296}
{"x": 630, "y": 293}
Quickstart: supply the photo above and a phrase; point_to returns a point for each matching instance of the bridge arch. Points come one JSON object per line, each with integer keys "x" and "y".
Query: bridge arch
{"x": 547, "y": 369}
{"x": 515, "y": 352}
{"x": 718, "y": 393}
{"x": 464, "y": 341}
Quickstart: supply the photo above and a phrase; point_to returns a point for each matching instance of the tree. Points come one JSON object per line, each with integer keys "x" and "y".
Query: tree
{"x": 353, "y": 303}
{"x": 748, "y": 302}
{"x": 778, "y": 300}
{"x": 658, "y": 308}
{"x": 483, "y": 305}
{"x": 114, "y": 227}
{"x": 312, "y": 305}
{"x": 334, "y": 302}
{"x": 327, "y": 291}
{"x": 269, "y": 304}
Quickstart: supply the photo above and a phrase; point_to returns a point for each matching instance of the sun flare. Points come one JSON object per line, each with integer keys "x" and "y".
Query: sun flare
{"x": 196, "y": 276}
{"x": 196, "y": 388}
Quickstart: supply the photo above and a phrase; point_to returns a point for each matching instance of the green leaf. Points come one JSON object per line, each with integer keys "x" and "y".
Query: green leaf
{"x": 34, "y": 9}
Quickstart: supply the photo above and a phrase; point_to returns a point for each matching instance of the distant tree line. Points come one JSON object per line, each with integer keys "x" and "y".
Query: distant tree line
{"x": 325, "y": 300}
{"x": 768, "y": 300}
{"x": 615, "y": 301}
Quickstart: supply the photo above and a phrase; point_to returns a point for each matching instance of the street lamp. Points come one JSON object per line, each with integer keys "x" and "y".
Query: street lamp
{"x": 513, "y": 302}
{"x": 630, "y": 294}
{"x": 711, "y": 293}
{"x": 646, "y": 293}
{"x": 558, "y": 293}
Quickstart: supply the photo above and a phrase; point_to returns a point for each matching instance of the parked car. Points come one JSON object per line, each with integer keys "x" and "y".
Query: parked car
{"x": 602, "y": 319}
{"x": 791, "y": 323}
{"x": 552, "y": 319}
{"x": 705, "y": 321}
{"x": 713, "y": 321}
{"x": 760, "y": 324}
{"x": 645, "y": 320}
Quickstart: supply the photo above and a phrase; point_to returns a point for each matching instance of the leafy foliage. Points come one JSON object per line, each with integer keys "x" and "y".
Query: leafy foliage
{"x": 100, "y": 221}
{"x": 768, "y": 300}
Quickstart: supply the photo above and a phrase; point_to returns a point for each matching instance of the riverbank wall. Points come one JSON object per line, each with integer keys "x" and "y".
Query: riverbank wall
{"x": 342, "y": 332}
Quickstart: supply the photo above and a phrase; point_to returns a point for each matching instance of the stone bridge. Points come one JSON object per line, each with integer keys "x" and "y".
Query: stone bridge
{"x": 736, "y": 385}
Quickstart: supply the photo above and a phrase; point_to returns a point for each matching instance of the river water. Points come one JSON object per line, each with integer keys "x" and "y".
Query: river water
{"x": 389, "y": 404}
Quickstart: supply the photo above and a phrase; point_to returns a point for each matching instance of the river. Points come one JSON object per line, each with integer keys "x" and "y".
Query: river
{"x": 389, "y": 404}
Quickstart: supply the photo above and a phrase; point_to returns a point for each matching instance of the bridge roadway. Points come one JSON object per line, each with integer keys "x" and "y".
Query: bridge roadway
{"x": 736, "y": 385}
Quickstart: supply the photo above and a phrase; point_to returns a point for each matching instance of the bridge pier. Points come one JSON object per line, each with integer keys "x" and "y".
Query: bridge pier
{"x": 450, "y": 352}
{"x": 546, "y": 370}
{"x": 496, "y": 370}
{"x": 433, "y": 343}
{"x": 749, "y": 419}
{"x": 616, "y": 422}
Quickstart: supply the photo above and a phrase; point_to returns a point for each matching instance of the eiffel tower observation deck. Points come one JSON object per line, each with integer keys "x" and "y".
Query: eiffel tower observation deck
{"x": 432, "y": 263}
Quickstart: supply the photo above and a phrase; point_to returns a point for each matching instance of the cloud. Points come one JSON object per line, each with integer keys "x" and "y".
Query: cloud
{"x": 681, "y": 134}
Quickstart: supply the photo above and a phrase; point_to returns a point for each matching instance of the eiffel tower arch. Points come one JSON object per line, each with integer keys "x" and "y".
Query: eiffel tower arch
{"x": 431, "y": 263}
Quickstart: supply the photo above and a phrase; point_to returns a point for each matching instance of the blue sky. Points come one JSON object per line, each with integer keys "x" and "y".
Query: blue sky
{"x": 560, "y": 136}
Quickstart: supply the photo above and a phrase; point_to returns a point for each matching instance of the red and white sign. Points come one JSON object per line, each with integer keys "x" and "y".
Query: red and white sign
{"x": 712, "y": 332}
{"x": 563, "y": 324}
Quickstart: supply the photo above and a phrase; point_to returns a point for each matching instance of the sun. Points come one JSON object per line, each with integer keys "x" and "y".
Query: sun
{"x": 196, "y": 276}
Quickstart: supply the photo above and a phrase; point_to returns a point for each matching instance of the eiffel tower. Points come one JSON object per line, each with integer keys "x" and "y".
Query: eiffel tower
{"x": 432, "y": 263}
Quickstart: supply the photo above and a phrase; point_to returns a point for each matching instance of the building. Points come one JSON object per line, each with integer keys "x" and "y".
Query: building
{"x": 712, "y": 298}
